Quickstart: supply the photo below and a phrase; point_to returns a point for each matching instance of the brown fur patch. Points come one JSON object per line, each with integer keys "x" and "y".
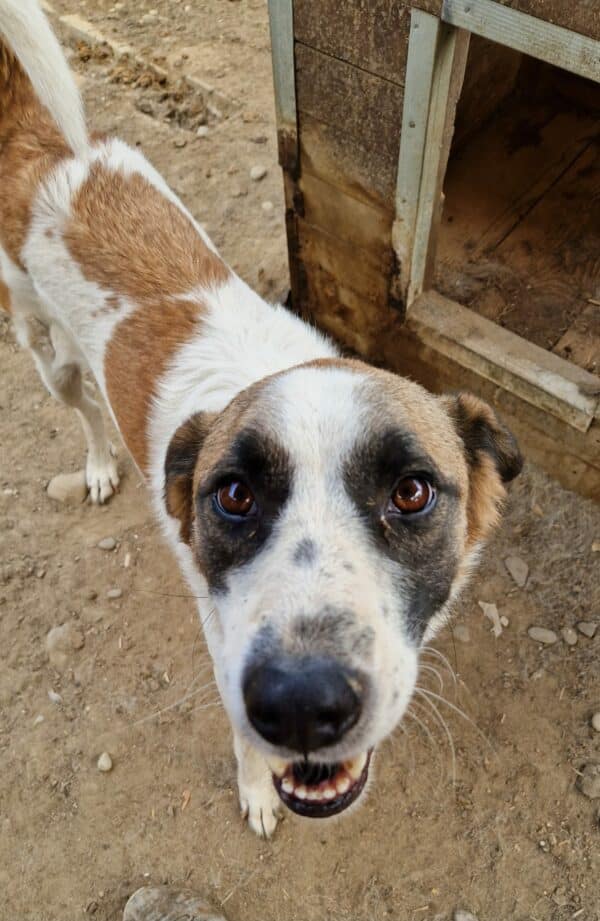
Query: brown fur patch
{"x": 5, "y": 297}
{"x": 136, "y": 358}
{"x": 30, "y": 147}
{"x": 127, "y": 237}
{"x": 180, "y": 465}
{"x": 131, "y": 240}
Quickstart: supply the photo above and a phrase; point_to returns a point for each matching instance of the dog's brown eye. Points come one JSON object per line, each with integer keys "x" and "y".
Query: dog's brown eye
{"x": 413, "y": 494}
{"x": 235, "y": 499}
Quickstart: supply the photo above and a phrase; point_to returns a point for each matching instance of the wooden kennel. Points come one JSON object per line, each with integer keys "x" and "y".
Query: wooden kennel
{"x": 442, "y": 181}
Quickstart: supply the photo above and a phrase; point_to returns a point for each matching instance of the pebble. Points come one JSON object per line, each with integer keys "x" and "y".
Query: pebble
{"x": 180, "y": 142}
{"x": 569, "y": 635}
{"x": 104, "y": 763}
{"x": 203, "y": 131}
{"x": 461, "y": 633}
{"x": 517, "y": 569}
{"x": 596, "y": 721}
{"x": 107, "y": 543}
{"x": 54, "y": 697}
{"x": 267, "y": 206}
{"x": 596, "y": 546}
{"x": 114, "y": 593}
{"x": 39, "y": 719}
{"x": 588, "y": 628}
{"x": 542, "y": 635}
{"x": 70, "y": 488}
{"x": 257, "y": 173}
{"x": 168, "y": 904}
{"x": 461, "y": 915}
{"x": 589, "y": 781}
{"x": 61, "y": 642}
{"x": 491, "y": 612}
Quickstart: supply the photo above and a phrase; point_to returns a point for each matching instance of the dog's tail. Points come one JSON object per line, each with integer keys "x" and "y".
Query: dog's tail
{"x": 28, "y": 34}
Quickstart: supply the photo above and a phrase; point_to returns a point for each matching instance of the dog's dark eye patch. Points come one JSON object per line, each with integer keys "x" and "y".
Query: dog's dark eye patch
{"x": 263, "y": 464}
{"x": 423, "y": 548}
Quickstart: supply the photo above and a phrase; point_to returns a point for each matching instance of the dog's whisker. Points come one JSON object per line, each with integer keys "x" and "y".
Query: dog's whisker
{"x": 177, "y": 703}
{"x": 209, "y": 705}
{"x": 444, "y": 725}
{"x": 431, "y": 670}
{"x": 151, "y": 591}
{"x": 460, "y": 713}
{"x": 434, "y": 743}
{"x": 442, "y": 658}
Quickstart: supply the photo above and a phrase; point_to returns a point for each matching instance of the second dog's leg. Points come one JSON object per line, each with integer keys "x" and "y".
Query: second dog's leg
{"x": 258, "y": 797}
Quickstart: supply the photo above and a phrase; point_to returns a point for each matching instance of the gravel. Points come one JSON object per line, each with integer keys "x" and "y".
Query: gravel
{"x": 257, "y": 173}
{"x": 588, "y": 628}
{"x": 70, "y": 488}
{"x": 104, "y": 763}
{"x": 107, "y": 543}
{"x": 569, "y": 635}
{"x": 588, "y": 781}
{"x": 461, "y": 915}
{"x": 542, "y": 635}
{"x": 596, "y": 721}
{"x": 114, "y": 593}
{"x": 517, "y": 569}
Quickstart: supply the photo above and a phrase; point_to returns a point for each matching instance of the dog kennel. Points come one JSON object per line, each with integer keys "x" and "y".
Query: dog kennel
{"x": 442, "y": 177}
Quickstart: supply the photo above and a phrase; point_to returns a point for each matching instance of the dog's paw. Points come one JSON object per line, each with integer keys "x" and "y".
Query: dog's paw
{"x": 261, "y": 806}
{"x": 102, "y": 477}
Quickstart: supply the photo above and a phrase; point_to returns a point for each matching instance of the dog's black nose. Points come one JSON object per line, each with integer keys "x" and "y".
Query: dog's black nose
{"x": 301, "y": 704}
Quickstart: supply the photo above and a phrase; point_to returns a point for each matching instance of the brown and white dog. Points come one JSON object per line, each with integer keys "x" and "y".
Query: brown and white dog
{"x": 328, "y": 512}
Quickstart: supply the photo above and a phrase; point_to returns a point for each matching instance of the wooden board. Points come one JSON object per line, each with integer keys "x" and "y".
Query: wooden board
{"x": 372, "y": 36}
{"x": 581, "y": 16}
{"x": 581, "y": 342}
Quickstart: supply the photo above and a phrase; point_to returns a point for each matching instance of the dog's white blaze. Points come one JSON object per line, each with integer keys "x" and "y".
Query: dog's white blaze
{"x": 319, "y": 418}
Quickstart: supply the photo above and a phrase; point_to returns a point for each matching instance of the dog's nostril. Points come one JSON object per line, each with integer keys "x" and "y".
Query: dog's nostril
{"x": 302, "y": 704}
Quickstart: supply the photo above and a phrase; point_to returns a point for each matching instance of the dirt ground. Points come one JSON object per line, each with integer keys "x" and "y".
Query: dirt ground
{"x": 511, "y": 837}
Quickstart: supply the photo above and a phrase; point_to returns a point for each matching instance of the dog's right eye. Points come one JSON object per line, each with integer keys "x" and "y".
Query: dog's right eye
{"x": 235, "y": 500}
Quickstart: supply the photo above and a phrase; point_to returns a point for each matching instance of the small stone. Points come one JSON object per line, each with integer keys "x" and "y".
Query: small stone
{"x": 104, "y": 763}
{"x": 168, "y": 904}
{"x": 504, "y": 620}
{"x": 588, "y": 781}
{"x": 588, "y": 628}
{"x": 491, "y": 612}
{"x": 180, "y": 142}
{"x": 596, "y": 546}
{"x": 107, "y": 543}
{"x": 267, "y": 206}
{"x": 542, "y": 635}
{"x": 239, "y": 192}
{"x": 70, "y": 488}
{"x": 596, "y": 722}
{"x": 54, "y": 697}
{"x": 60, "y": 643}
{"x": 257, "y": 173}
{"x": 461, "y": 633}
{"x": 39, "y": 719}
{"x": 114, "y": 593}
{"x": 203, "y": 131}
{"x": 461, "y": 915}
{"x": 569, "y": 636}
{"x": 517, "y": 569}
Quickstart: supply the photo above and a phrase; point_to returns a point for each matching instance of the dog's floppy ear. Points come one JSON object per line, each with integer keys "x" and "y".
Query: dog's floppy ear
{"x": 493, "y": 457}
{"x": 180, "y": 464}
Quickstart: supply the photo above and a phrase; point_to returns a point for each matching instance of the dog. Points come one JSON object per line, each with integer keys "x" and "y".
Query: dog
{"x": 329, "y": 512}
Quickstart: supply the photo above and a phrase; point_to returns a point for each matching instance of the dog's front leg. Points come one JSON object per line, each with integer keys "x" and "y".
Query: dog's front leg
{"x": 258, "y": 798}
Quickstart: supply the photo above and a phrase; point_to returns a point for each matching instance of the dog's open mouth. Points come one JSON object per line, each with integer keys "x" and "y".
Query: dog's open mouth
{"x": 319, "y": 791}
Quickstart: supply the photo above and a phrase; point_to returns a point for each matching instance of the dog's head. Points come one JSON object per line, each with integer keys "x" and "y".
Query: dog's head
{"x": 334, "y": 511}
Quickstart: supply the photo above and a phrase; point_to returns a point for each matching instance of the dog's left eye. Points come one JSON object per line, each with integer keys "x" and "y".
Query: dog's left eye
{"x": 235, "y": 500}
{"x": 412, "y": 495}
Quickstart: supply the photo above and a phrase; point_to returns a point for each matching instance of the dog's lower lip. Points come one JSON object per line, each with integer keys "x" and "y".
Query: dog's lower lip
{"x": 341, "y": 787}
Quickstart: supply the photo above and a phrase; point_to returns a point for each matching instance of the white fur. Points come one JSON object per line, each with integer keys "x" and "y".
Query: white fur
{"x": 27, "y": 32}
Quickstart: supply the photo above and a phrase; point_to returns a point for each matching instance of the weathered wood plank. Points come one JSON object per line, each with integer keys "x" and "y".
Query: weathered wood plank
{"x": 581, "y": 342}
{"x": 371, "y": 36}
{"x": 533, "y": 374}
{"x": 366, "y": 109}
{"x": 281, "y": 20}
{"x": 450, "y": 61}
{"x": 362, "y": 172}
{"x": 578, "y": 15}
{"x": 554, "y": 44}
{"x": 424, "y": 33}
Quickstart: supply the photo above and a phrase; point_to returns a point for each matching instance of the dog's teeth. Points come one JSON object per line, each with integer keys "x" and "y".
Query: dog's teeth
{"x": 356, "y": 766}
{"x": 287, "y": 785}
{"x": 278, "y": 766}
{"x": 301, "y": 792}
{"x": 342, "y": 785}
{"x": 312, "y": 794}
{"x": 329, "y": 793}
